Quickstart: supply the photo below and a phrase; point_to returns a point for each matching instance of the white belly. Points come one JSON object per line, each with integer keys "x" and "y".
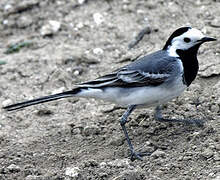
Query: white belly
{"x": 147, "y": 96}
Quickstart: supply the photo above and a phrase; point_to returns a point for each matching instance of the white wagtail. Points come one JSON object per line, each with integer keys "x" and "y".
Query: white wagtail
{"x": 149, "y": 81}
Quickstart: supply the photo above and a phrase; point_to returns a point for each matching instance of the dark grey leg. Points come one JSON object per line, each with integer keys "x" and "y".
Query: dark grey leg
{"x": 159, "y": 117}
{"x": 123, "y": 121}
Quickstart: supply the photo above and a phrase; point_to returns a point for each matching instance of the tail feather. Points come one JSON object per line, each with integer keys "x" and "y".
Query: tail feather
{"x": 42, "y": 100}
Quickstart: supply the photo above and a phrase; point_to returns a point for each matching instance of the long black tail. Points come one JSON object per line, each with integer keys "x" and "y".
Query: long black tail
{"x": 42, "y": 100}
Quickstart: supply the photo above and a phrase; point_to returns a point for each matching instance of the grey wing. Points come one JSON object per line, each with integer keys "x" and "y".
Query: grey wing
{"x": 151, "y": 70}
{"x": 127, "y": 78}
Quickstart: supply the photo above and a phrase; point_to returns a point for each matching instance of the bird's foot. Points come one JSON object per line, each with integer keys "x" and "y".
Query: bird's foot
{"x": 138, "y": 155}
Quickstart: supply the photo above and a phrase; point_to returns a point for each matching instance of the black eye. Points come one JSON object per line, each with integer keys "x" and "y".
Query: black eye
{"x": 187, "y": 40}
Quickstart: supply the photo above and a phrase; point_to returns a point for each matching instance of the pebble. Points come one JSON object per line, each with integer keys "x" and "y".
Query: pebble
{"x": 13, "y": 168}
{"x": 215, "y": 23}
{"x": 6, "y": 102}
{"x": 51, "y": 28}
{"x": 208, "y": 153}
{"x": 216, "y": 178}
{"x": 158, "y": 153}
{"x": 98, "y": 18}
{"x": 91, "y": 130}
{"x": 119, "y": 163}
{"x": 98, "y": 51}
{"x": 24, "y": 21}
{"x": 72, "y": 172}
{"x": 5, "y": 22}
{"x": 76, "y": 72}
{"x": 130, "y": 175}
{"x": 60, "y": 90}
{"x": 116, "y": 141}
{"x": 33, "y": 177}
{"x": 81, "y": 1}
{"x": 217, "y": 157}
{"x": 7, "y": 7}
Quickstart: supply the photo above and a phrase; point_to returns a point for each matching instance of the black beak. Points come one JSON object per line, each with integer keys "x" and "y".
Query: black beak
{"x": 206, "y": 39}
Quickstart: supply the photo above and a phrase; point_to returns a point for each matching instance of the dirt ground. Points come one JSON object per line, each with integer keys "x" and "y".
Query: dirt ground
{"x": 56, "y": 44}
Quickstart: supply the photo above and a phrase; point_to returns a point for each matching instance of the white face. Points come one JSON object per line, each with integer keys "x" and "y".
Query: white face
{"x": 185, "y": 41}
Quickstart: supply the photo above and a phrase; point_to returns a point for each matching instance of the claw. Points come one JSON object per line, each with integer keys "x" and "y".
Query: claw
{"x": 138, "y": 155}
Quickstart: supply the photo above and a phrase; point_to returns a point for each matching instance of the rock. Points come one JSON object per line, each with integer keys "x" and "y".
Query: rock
{"x": 215, "y": 23}
{"x": 91, "y": 130}
{"x": 98, "y": 18}
{"x": 209, "y": 70}
{"x": 7, "y": 7}
{"x": 98, "y": 51}
{"x": 34, "y": 177}
{"x": 81, "y": 1}
{"x": 158, "y": 153}
{"x": 207, "y": 153}
{"x": 102, "y": 164}
{"x": 217, "y": 157}
{"x": 72, "y": 172}
{"x": 24, "y": 21}
{"x": 6, "y": 102}
{"x": 21, "y": 6}
{"x": 216, "y": 178}
{"x": 130, "y": 175}
{"x": 116, "y": 141}
{"x": 119, "y": 163}
{"x": 51, "y": 28}
{"x": 90, "y": 163}
{"x": 60, "y": 90}
{"x": 14, "y": 168}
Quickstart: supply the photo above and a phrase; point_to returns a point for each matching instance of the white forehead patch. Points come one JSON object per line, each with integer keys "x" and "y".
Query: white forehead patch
{"x": 178, "y": 42}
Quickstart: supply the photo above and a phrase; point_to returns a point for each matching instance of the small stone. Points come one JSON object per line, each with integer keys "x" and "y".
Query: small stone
{"x": 158, "y": 154}
{"x": 98, "y": 18}
{"x": 98, "y": 51}
{"x": 215, "y": 23}
{"x": 119, "y": 163}
{"x": 5, "y": 22}
{"x": 91, "y": 130}
{"x": 7, "y": 7}
{"x": 33, "y": 177}
{"x": 6, "y": 102}
{"x": 24, "y": 21}
{"x": 216, "y": 157}
{"x": 208, "y": 153}
{"x": 215, "y": 108}
{"x": 76, "y": 72}
{"x": 14, "y": 168}
{"x": 81, "y": 1}
{"x": 103, "y": 164}
{"x": 69, "y": 69}
{"x": 60, "y": 90}
{"x": 90, "y": 163}
{"x": 130, "y": 175}
{"x": 51, "y": 28}
{"x": 80, "y": 25}
{"x": 216, "y": 178}
{"x": 116, "y": 141}
{"x": 72, "y": 172}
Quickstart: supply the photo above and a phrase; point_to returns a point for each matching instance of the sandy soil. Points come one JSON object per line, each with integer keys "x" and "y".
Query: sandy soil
{"x": 61, "y": 43}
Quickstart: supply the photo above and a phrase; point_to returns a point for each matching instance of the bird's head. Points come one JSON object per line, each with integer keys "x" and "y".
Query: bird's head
{"x": 185, "y": 38}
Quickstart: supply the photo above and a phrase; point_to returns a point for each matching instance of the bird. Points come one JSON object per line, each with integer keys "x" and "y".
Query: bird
{"x": 150, "y": 81}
